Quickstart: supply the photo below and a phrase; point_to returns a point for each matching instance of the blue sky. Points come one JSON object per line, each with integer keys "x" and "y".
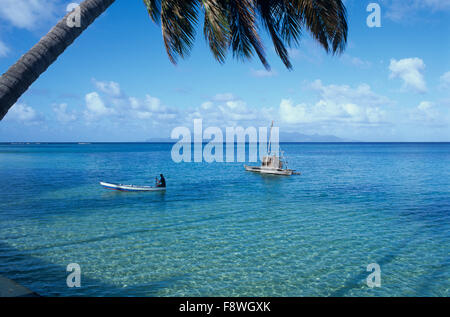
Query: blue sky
{"x": 115, "y": 83}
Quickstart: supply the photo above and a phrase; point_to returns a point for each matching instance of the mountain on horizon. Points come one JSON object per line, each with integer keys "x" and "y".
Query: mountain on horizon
{"x": 299, "y": 137}
{"x": 284, "y": 137}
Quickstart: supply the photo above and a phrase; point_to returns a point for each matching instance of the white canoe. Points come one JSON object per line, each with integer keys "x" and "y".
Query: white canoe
{"x": 133, "y": 188}
{"x": 274, "y": 171}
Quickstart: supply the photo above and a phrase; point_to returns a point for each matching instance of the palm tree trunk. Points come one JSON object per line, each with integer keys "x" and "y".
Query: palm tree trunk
{"x": 32, "y": 64}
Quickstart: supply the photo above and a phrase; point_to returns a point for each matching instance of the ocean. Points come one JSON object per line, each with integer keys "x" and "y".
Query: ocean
{"x": 221, "y": 231}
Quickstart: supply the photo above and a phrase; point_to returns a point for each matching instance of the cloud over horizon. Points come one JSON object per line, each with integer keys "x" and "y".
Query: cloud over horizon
{"x": 335, "y": 110}
{"x": 28, "y": 14}
{"x": 337, "y": 104}
{"x": 410, "y": 71}
{"x": 25, "y": 114}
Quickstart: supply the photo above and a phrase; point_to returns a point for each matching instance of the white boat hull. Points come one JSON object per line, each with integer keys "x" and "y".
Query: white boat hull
{"x": 273, "y": 171}
{"x": 132, "y": 188}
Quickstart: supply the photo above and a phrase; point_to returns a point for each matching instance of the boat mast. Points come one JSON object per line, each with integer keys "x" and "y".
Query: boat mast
{"x": 269, "y": 145}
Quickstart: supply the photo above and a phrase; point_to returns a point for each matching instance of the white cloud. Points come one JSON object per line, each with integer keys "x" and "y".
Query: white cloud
{"x": 207, "y": 105}
{"x": 294, "y": 114}
{"x": 263, "y": 73}
{"x": 228, "y": 110}
{"x": 111, "y": 88}
{"x": 326, "y": 111}
{"x": 410, "y": 70}
{"x": 425, "y": 106}
{"x": 148, "y": 108}
{"x": 445, "y": 80}
{"x": 153, "y": 104}
{"x": 362, "y": 94}
{"x": 399, "y": 10}
{"x": 224, "y": 97}
{"x": 62, "y": 115}
{"x": 434, "y": 4}
{"x": 355, "y": 61}
{"x": 337, "y": 104}
{"x": 425, "y": 112}
{"x": 110, "y": 102}
{"x": 337, "y": 107}
{"x": 27, "y": 14}
{"x": 4, "y": 50}
{"x": 20, "y": 112}
{"x": 96, "y": 107}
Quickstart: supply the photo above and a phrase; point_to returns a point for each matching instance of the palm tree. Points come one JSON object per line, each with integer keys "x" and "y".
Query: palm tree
{"x": 228, "y": 25}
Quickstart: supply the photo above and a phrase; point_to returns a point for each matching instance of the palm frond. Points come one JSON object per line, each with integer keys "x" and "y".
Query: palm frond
{"x": 153, "y": 9}
{"x": 291, "y": 22}
{"x": 178, "y": 24}
{"x": 216, "y": 28}
{"x": 327, "y": 22}
{"x": 244, "y": 31}
{"x": 233, "y": 24}
{"x": 270, "y": 13}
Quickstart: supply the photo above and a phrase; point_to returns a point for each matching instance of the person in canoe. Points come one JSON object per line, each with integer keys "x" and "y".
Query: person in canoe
{"x": 161, "y": 182}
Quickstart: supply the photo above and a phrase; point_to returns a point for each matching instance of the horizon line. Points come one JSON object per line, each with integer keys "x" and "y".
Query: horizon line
{"x": 203, "y": 142}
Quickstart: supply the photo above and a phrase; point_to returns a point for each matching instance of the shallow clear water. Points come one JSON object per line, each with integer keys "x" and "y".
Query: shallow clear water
{"x": 221, "y": 231}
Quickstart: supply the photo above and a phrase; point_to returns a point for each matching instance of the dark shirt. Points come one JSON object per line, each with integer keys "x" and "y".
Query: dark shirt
{"x": 162, "y": 182}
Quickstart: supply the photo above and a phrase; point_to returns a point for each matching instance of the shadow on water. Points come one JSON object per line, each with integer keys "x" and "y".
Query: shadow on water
{"x": 355, "y": 281}
{"x": 438, "y": 274}
{"x": 155, "y": 196}
{"x": 49, "y": 279}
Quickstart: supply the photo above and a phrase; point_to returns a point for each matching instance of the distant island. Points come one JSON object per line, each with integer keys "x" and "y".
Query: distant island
{"x": 299, "y": 137}
{"x": 285, "y": 137}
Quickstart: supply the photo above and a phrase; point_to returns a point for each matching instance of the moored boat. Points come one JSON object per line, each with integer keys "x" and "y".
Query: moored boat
{"x": 272, "y": 163}
{"x": 274, "y": 171}
{"x": 132, "y": 188}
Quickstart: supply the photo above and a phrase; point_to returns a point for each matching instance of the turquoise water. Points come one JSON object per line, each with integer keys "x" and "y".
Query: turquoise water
{"x": 221, "y": 231}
